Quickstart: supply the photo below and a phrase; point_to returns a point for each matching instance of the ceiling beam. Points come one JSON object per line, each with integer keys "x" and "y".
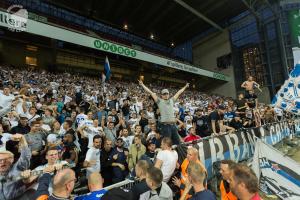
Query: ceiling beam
{"x": 198, "y": 14}
{"x": 250, "y": 5}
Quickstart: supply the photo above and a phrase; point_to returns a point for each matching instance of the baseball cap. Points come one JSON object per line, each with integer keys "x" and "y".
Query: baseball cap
{"x": 188, "y": 127}
{"x": 52, "y": 138}
{"x": 165, "y": 91}
{"x": 150, "y": 142}
{"x": 23, "y": 116}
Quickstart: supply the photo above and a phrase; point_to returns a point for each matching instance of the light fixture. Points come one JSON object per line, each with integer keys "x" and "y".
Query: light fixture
{"x": 125, "y": 26}
{"x": 151, "y": 36}
{"x": 172, "y": 44}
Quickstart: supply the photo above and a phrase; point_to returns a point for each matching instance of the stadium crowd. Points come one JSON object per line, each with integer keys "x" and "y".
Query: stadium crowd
{"x": 55, "y": 125}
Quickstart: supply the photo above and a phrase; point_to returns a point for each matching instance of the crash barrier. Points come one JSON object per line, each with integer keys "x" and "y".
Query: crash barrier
{"x": 238, "y": 146}
{"x": 127, "y": 184}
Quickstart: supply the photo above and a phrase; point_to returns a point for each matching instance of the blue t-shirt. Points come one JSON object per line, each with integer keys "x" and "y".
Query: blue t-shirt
{"x": 205, "y": 194}
{"x": 96, "y": 195}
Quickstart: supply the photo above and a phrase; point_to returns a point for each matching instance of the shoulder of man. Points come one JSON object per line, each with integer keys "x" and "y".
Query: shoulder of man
{"x": 165, "y": 191}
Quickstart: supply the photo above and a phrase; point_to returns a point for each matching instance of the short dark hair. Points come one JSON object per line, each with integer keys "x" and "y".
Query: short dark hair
{"x": 39, "y": 119}
{"x": 52, "y": 148}
{"x": 138, "y": 136}
{"x": 230, "y": 163}
{"x": 34, "y": 123}
{"x": 97, "y": 137}
{"x": 243, "y": 174}
{"x": 155, "y": 175}
{"x": 69, "y": 122}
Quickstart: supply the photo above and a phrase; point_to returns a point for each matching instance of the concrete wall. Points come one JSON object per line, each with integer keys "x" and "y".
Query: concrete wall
{"x": 205, "y": 54}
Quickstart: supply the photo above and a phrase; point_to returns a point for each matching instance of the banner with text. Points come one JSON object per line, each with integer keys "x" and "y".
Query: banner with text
{"x": 240, "y": 145}
{"x": 278, "y": 174}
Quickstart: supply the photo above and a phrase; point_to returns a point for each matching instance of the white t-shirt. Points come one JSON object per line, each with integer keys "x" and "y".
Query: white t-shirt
{"x": 13, "y": 122}
{"x": 150, "y": 114}
{"x": 5, "y": 137}
{"x": 54, "y": 85}
{"x": 46, "y": 127}
{"x": 19, "y": 107}
{"x": 133, "y": 121}
{"x": 5, "y": 101}
{"x": 67, "y": 99}
{"x": 169, "y": 159}
{"x": 91, "y": 155}
{"x": 80, "y": 117}
{"x": 86, "y": 122}
{"x": 127, "y": 141}
{"x": 90, "y": 132}
{"x": 32, "y": 118}
{"x": 42, "y": 167}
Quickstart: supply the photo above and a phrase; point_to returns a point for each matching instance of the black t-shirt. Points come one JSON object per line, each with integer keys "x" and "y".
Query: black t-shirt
{"x": 215, "y": 116}
{"x": 201, "y": 125}
{"x": 139, "y": 189}
{"x": 106, "y": 169}
{"x": 205, "y": 194}
{"x": 112, "y": 104}
{"x": 126, "y": 110}
{"x": 240, "y": 104}
{"x": 115, "y": 119}
{"x": 67, "y": 148}
{"x": 251, "y": 100}
{"x": 236, "y": 124}
{"x": 20, "y": 129}
{"x": 143, "y": 122}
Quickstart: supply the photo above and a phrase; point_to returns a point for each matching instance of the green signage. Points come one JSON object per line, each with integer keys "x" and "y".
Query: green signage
{"x": 294, "y": 22}
{"x": 219, "y": 76}
{"x": 114, "y": 48}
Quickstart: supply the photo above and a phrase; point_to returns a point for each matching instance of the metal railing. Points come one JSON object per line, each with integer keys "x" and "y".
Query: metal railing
{"x": 127, "y": 184}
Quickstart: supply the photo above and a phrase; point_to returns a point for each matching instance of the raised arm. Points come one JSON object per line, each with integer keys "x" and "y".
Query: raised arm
{"x": 24, "y": 160}
{"x": 175, "y": 97}
{"x": 244, "y": 84}
{"x": 153, "y": 95}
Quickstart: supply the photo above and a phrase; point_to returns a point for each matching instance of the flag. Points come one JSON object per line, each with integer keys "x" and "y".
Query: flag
{"x": 288, "y": 97}
{"x": 107, "y": 71}
{"x": 277, "y": 173}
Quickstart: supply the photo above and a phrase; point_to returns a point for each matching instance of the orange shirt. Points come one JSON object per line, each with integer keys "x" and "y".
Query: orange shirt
{"x": 184, "y": 175}
{"x": 225, "y": 195}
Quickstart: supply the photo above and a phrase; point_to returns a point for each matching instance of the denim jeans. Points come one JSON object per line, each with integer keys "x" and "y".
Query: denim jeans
{"x": 171, "y": 131}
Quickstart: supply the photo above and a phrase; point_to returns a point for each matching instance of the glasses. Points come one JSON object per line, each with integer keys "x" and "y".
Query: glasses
{"x": 165, "y": 94}
{"x": 4, "y": 160}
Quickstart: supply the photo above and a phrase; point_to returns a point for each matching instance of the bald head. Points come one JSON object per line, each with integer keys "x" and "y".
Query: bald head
{"x": 63, "y": 182}
{"x": 95, "y": 181}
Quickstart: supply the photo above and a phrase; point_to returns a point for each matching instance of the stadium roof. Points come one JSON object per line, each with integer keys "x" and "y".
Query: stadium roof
{"x": 168, "y": 20}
